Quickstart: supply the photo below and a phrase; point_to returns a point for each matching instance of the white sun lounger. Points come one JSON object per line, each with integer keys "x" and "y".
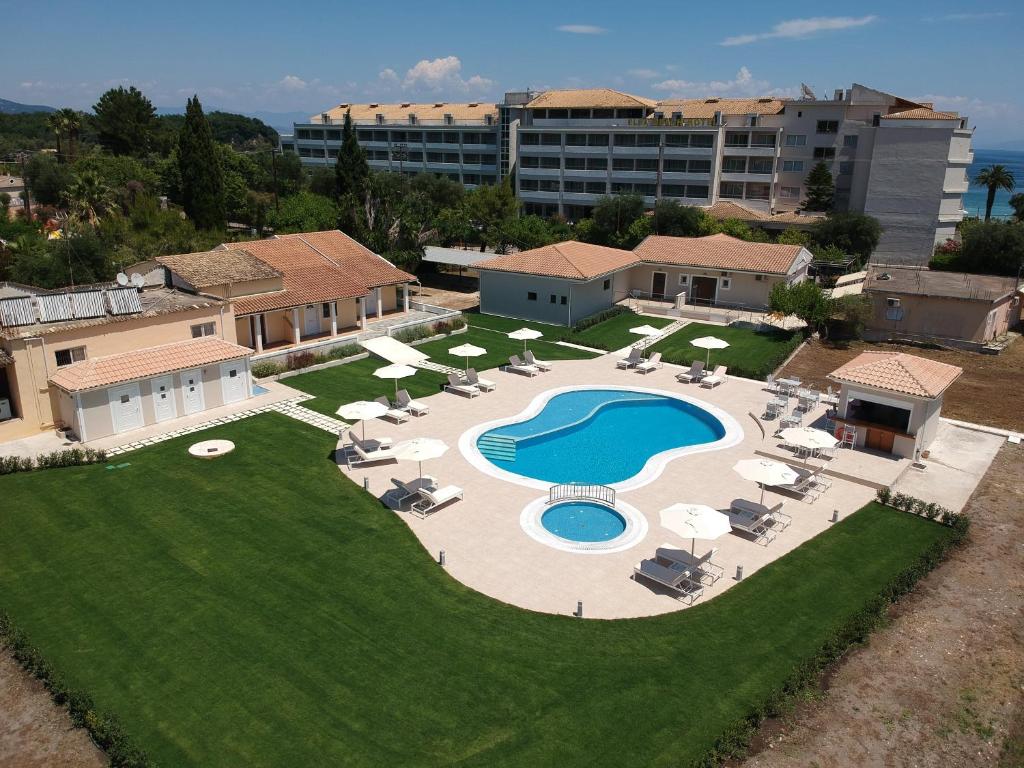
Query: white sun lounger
{"x": 397, "y": 415}
{"x": 694, "y": 374}
{"x": 484, "y": 385}
{"x": 431, "y": 499}
{"x": 715, "y": 378}
{"x": 701, "y": 568}
{"x": 758, "y": 526}
{"x": 671, "y": 576}
{"x": 649, "y": 365}
{"x": 415, "y": 407}
{"x": 371, "y": 450}
{"x": 780, "y": 521}
{"x": 411, "y": 488}
{"x": 635, "y": 356}
{"x": 518, "y": 366}
{"x": 544, "y": 365}
{"x": 456, "y": 385}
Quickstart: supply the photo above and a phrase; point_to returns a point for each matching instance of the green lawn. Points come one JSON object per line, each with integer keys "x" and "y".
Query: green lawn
{"x": 261, "y": 610}
{"x": 752, "y": 354}
{"x": 355, "y": 381}
{"x": 608, "y": 335}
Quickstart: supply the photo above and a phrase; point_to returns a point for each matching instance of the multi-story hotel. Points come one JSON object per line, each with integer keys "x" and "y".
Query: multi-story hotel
{"x": 900, "y": 161}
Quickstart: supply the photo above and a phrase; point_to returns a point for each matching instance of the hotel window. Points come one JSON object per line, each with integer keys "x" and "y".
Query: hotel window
{"x": 547, "y": 185}
{"x": 734, "y": 165}
{"x": 573, "y": 186}
{"x": 575, "y": 139}
{"x": 648, "y": 190}
{"x": 204, "y": 329}
{"x": 364, "y": 135}
{"x": 827, "y": 126}
{"x": 69, "y": 356}
{"x": 526, "y": 139}
{"x": 702, "y": 140}
{"x": 332, "y": 153}
{"x": 554, "y": 299}
{"x": 549, "y": 163}
{"x": 334, "y": 135}
{"x": 316, "y": 135}
{"x": 607, "y": 284}
{"x": 451, "y": 157}
{"x": 579, "y": 114}
{"x": 595, "y": 188}
{"x": 763, "y": 140}
{"x": 824, "y": 153}
{"x": 697, "y": 191}
{"x": 597, "y": 163}
{"x": 761, "y": 165}
{"x": 603, "y": 114}
{"x": 528, "y": 161}
{"x": 647, "y": 164}
{"x": 790, "y": 192}
{"x": 700, "y": 166}
{"x": 758, "y": 191}
{"x": 850, "y": 140}
{"x": 597, "y": 140}
{"x": 564, "y": 300}
{"x": 558, "y": 114}
{"x": 673, "y": 190}
{"x": 623, "y": 164}
{"x": 793, "y": 166}
{"x": 725, "y": 283}
{"x": 736, "y": 139}
{"x": 684, "y": 280}
{"x": 571, "y": 163}
{"x": 528, "y": 185}
{"x": 302, "y": 133}
{"x": 846, "y": 168}
{"x": 648, "y": 139}
{"x": 796, "y": 140}
{"x": 733, "y": 189}
{"x": 325, "y": 309}
{"x": 531, "y": 295}
{"x": 621, "y": 187}
{"x": 551, "y": 139}
{"x": 677, "y": 140}
{"x": 674, "y": 166}
{"x": 625, "y": 139}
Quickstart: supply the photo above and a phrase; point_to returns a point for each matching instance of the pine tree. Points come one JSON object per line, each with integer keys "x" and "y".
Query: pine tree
{"x": 202, "y": 176}
{"x": 351, "y": 171}
{"x": 820, "y": 189}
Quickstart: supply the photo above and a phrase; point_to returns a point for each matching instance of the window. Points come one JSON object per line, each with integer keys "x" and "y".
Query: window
{"x": 564, "y": 300}
{"x": 796, "y": 140}
{"x": 597, "y": 163}
{"x": 575, "y": 139}
{"x": 761, "y": 165}
{"x": 607, "y": 284}
{"x": 531, "y": 295}
{"x": 69, "y": 356}
{"x": 793, "y": 166}
{"x": 702, "y": 140}
{"x": 824, "y": 153}
{"x": 595, "y": 188}
{"x": 558, "y": 114}
{"x": 697, "y": 191}
{"x": 763, "y": 140}
{"x": 597, "y": 140}
{"x": 677, "y": 140}
{"x": 571, "y": 163}
{"x": 725, "y": 283}
{"x": 674, "y": 166}
{"x": 734, "y": 165}
{"x": 579, "y": 114}
{"x": 647, "y": 164}
{"x": 572, "y": 186}
{"x": 623, "y": 164}
{"x": 125, "y": 399}
{"x": 547, "y": 162}
{"x": 700, "y": 166}
{"x": 648, "y": 139}
{"x": 790, "y": 192}
{"x": 526, "y": 139}
{"x": 232, "y": 373}
{"x": 673, "y": 190}
{"x": 551, "y": 139}
{"x": 850, "y": 140}
{"x": 625, "y": 139}
{"x": 326, "y": 309}
{"x": 733, "y": 189}
{"x": 737, "y": 139}
{"x": 554, "y": 299}
{"x": 204, "y": 329}
{"x": 758, "y": 278}
{"x": 528, "y": 161}
{"x": 846, "y": 168}
{"x": 684, "y": 280}
{"x": 827, "y": 126}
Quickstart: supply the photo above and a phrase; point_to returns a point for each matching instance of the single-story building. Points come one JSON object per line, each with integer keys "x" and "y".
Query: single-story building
{"x": 565, "y": 282}
{"x": 949, "y": 307}
{"x": 892, "y": 400}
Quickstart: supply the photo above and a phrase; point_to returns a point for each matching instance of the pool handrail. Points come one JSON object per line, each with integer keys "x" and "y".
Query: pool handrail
{"x": 587, "y": 491}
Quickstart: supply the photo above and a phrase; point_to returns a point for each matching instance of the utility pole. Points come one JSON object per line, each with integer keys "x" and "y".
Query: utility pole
{"x": 24, "y": 181}
{"x": 273, "y": 165}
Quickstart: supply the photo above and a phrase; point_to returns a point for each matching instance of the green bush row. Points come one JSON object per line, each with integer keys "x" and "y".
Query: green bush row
{"x": 417, "y": 332}
{"x": 69, "y": 457}
{"x": 599, "y": 317}
{"x": 104, "y": 729}
{"x": 299, "y": 360}
{"x": 915, "y": 506}
{"x": 735, "y": 739}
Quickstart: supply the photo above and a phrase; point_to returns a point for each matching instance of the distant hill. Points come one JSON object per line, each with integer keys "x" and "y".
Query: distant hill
{"x": 282, "y": 122}
{"x": 14, "y": 108}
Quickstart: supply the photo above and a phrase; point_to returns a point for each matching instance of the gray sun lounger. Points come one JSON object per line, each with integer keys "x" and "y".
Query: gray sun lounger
{"x": 484, "y": 385}
{"x": 459, "y": 387}
{"x": 649, "y": 365}
{"x": 396, "y": 415}
{"x": 518, "y": 366}
{"x": 415, "y": 407}
{"x": 758, "y": 526}
{"x": 369, "y": 451}
{"x": 694, "y": 374}
{"x": 411, "y": 488}
{"x": 701, "y": 567}
{"x": 635, "y": 356}
{"x": 671, "y": 576}
{"x": 432, "y": 499}
{"x": 544, "y": 365}
{"x": 780, "y": 521}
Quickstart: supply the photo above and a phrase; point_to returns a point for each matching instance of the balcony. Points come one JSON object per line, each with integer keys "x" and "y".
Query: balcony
{"x": 963, "y": 159}
{"x": 575, "y": 173}
{"x": 671, "y": 151}
{"x": 685, "y": 176}
{"x": 636, "y": 151}
{"x": 536, "y": 195}
{"x": 649, "y": 176}
{"x": 956, "y": 188}
{"x": 743, "y": 150}
{"x": 592, "y": 151}
{"x": 538, "y": 172}
{"x": 546, "y": 149}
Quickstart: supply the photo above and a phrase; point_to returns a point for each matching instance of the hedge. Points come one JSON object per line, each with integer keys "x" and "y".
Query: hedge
{"x": 69, "y": 457}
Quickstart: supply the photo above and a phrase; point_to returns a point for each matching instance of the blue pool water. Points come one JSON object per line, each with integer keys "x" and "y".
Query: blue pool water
{"x": 258, "y": 390}
{"x": 597, "y": 436}
{"x": 583, "y": 521}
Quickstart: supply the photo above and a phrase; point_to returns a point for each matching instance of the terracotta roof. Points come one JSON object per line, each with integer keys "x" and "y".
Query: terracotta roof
{"x": 925, "y": 282}
{"x": 727, "y": 209}
{"x": 708, "y": 107}
{"x": 208, "y": 268}
{"x": 144, "y": 363}
{"x": 921, "y": 113}
{"x": 588, "y": 97}
{"x": 571, "y": 259}
{"x": 898, "y": 372}
{"x": 718, "y": 251}
{"x": 399, "y": 113}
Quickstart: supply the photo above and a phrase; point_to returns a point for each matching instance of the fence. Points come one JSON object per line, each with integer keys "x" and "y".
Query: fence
{"x": 437, "y": 314}
{"x": 588, "y": 491}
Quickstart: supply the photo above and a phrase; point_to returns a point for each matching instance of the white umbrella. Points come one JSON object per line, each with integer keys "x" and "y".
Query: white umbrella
{"x": 809, "y": 438}
{"x": 420, "y": 449}
{"x": 467, "y": 351}
{"x": 709, "y": 343}
{"x": 695, "y": 521}
{"x": 645, "y": 330}
{"x": 361, "y": 410}
{"x": 765, "y": 472}
{"x": 525, "y": 334}
{"x": 395, "y": 371}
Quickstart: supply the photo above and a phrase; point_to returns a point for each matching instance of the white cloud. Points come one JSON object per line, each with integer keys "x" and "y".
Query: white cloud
{"x": 744, "y": 84}
{"x": 388, "y": 76}
{"x": 293, "y": 83}
{"x": 439, "y": 74}
{"x": 582, "y": 29}
{"x": 974, "y": 107}
{"x": 644, "y": 73}
{"x": 798, "y": 28}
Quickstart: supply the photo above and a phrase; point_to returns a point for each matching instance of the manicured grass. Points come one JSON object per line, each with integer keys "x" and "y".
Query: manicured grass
{"x": 260, "y": 609}
{"x": 608, "y": 335}
{"x": 355, "y": 381}
{"x": 753, "y": 354}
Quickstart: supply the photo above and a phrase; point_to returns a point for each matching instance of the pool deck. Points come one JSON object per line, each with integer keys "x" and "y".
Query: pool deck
{"x": 486, "y": 549}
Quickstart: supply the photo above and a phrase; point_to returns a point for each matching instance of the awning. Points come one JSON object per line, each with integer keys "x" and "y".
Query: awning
{"x": 455, "y": 257}
{"x": 393, "y": 350}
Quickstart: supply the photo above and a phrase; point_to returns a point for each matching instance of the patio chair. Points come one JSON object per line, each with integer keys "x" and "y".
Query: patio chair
{"x": 635, "y": 356}
{"x": 770, "y": 383}
{"x": 670, "y": 575}
{"x": 433, "y": 499}
{"x": 370, "y": 451}
{"x": 518, "y": 366}
{"x": 774, "y": 517}
{"x": 649, "y": 365}
{"x": 544, "y": 365}
{"x": 716, "y": 378}
{"x": 396, "y": 415}
{"x": 849, "y": 437}
{"x": 415, "y": 407}
{"x": 408, "y": 489}
{"x": 752, "y": 523}
{"x": 700, "y": 567}
{"x": 774, "y": 407}
{"x": 793, "y": 419}
{"x": 694, "y": 374}
{"x": 484, "y": 385}
{"x": 456, "y": 385}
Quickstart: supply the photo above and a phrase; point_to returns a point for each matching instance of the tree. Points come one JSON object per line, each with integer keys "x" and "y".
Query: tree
{"x": 671, "y": 218}
{"x": 854, "y": 233}
{"x": 820, "y": 189}
{"x": 528, "y": 232}
{"x": 125, "y": 121}
{"x": 304, "y": 212}
{"x": 995, "y": 177}
{"x": 1017, "y": 203}
{"x": 71, "y": 124}
{"x": 202, "y": 175}
{"x": 804, "y": 300}
{"x": 88, "y": 198}
{"x": 742, "y": 231}
{"x": 117, "y": 172}
{"x": 323, "y": 182}
{"x": 55, "y": 122}
{"x": 351, "y": 169}
{"x": 490, "y": 207}
{"x": 46, "y": 179}
{"x": 613, "y": 215}
{"x": 994, "y": 248}
{"x": 794, "y": 236}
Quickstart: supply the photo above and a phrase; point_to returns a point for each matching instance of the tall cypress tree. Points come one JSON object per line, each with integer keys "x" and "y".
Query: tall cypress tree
{"x": 351, "y": 171}
{"x": 202, "y": 176}
{"x": 820, "y": 189}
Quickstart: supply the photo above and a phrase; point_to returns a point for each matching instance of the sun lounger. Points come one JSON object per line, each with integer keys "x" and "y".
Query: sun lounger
{"x": 431, "y": 500}
{"x": 649, "y": 365}
{"x": 415, "y": 407}
{"x": 544, "y": 365}
{"x": 484, "y": 385}
{"x": 757, "y": 525}
{"x": 694, "y": 374}
{"x": 809, "y": 484}
{"x": 396, "y": 415}
{"x": 780, "y": 521}
{"x": 715, "y": 378}
{"x": 411, "y": 488}
{"x": 635, "y": 356}
{"x": 701, "y": 568}
{"x": 371, "y": 450}
{"x": 456, "y": 385}
{"x": 518, "y": 366}
{"x": 671, "y": 576}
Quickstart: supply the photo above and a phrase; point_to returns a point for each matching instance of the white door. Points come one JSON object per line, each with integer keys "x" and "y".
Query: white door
{"x": 371, "y": 302}
{"x": 192, "y": 391}
{"x": 125, "y": 407}
{"x": 163, "y": 398}
{"x": 312, "y": 324}
{"x": 232, "y": 380}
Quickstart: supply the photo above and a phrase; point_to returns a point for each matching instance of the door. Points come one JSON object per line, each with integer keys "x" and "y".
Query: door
{"x": 164, "y": 406}
{"x": 658, "y": 280}
{"x": 703, "y": 290}
{"x": 312, "y": 322}
{"x": 192, "y": 391}
{"x": 232, "y": 380}
{"x": 125, "y": 407}
{"x": 879, "y": 440}
{"x": 371, "y": 302}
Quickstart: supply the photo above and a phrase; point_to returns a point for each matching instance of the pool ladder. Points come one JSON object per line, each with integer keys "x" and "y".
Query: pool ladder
{"x": 497, "y": 447}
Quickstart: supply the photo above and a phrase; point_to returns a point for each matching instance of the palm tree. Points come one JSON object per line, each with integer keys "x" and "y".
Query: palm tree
{"x": 72, "y": 125}
{"x": 55, "y": 122}
{"x": 1017, "y": 203}
{"x": 995, "y": 177}
{"x": 88, "y": 198}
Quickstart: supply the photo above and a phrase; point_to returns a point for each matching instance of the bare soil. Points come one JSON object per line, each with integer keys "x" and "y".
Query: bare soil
{"x": 446, "y": 290}
{"x": 989, "y": 391}
{"x": 942, "y": 686}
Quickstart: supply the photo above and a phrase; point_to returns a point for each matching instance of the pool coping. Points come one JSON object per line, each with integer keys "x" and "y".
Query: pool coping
{"x": 635, "y": 532}
{"x": 651, "y": 470}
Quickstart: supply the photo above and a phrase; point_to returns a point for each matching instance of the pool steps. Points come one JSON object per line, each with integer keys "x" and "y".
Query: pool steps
{"x": 498, "y": 447}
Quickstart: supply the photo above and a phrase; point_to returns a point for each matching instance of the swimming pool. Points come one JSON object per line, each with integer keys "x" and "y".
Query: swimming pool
{"x": 618, "y": 436}
{"x": 583, "y": 521}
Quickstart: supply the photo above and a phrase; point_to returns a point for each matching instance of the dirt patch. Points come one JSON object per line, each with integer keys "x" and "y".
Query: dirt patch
{"x": 943, "y": 685}
{"x": 450, "y": 291}
{"x": 35, "y": 732}
{"x": 988, "y": 392}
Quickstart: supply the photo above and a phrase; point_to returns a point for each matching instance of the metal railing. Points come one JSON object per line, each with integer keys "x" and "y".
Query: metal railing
{"x": 588, "y": 491}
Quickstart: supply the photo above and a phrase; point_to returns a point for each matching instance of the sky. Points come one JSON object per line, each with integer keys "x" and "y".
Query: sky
{"x": 279, "y": 57}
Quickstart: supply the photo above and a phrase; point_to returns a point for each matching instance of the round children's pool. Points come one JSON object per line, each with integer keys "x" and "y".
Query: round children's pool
{"x": 583, "y": 521}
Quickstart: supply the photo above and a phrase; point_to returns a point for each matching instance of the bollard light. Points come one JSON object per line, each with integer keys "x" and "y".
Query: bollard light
{"x": 579, "y": 609}
{"x": 835, "y": 515}
{"x": 366, "y": 483}
{"x": 440, "y": 559}
{"x": 739, "y": 573}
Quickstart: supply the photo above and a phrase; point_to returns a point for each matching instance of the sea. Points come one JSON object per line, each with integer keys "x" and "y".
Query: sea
{"x": 974, "y": 200}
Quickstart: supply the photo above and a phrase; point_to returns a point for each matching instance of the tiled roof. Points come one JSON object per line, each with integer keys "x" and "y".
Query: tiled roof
{"x": 399, "y": 113}
{"x": 898, "y": 372}
{"x": 921, "y": 113}
{"x": 208, "y": 268}
{"x": 727, "y": 209}
{"x": 708, "y": 107}
{"x": 718, "y": 251}
{"x": 588, "y": 97}
{"x": 571, "y": 259}
{"x": 144, "y": 363}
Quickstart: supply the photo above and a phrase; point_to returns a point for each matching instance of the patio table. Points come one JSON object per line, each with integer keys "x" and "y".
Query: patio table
{"x": 788, "y": 385}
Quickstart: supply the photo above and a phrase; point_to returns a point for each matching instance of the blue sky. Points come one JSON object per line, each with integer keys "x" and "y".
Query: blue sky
{"x": 310, "y": 55}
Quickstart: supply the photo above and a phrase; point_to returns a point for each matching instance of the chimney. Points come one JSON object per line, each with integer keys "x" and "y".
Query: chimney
{"x": 838, "y": 95}
{"x": 718, "y": 117}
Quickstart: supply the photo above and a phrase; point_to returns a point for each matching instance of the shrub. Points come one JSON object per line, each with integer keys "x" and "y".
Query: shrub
{"x": 68, "y": 457}
{"x": 297, "y": 360}
{"x": 599, "y": 317}
{"x": 884, "y": 495}
{"x": 906, "y": 503}
{"x": 262, "y": 370}
{"x": 345, "y": 350}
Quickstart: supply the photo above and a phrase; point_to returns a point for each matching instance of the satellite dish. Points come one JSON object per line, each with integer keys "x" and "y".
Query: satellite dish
{"x": 122, "y": 278}
{"x": 138, "y": 280}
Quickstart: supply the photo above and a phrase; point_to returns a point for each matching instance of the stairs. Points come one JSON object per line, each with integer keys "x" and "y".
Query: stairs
{"x": 430, "y": 365}
{"x": 497, "y": 447}
{"x": 668, "y": 330}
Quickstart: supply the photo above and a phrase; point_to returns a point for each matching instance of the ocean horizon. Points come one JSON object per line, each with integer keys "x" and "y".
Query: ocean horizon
{"x": 974, "y": 199}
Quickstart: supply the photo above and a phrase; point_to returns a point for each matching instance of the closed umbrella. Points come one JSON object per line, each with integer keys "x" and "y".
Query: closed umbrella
{"x": 361, "y": 410}
{"x": 467, "y": 351}
{"x": 765, "y": 472}
{"x": 709, "y": 343}
{"x": 695, "y": 521}
{"x": 395, "y": 371}
{"x": 420, "y": 449}
{"x": 525, "y": 334}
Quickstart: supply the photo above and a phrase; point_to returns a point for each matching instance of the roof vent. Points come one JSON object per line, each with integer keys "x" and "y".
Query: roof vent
{"x": 439, "y": 104}
{"x": 711, "y": 101}
{"x": 474, "y": 103}
{"x": 765, "y": 100}
{"x": 885, "y": 276}
{"x": 342, "y": 106}
{"x": 406, "y": 105}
